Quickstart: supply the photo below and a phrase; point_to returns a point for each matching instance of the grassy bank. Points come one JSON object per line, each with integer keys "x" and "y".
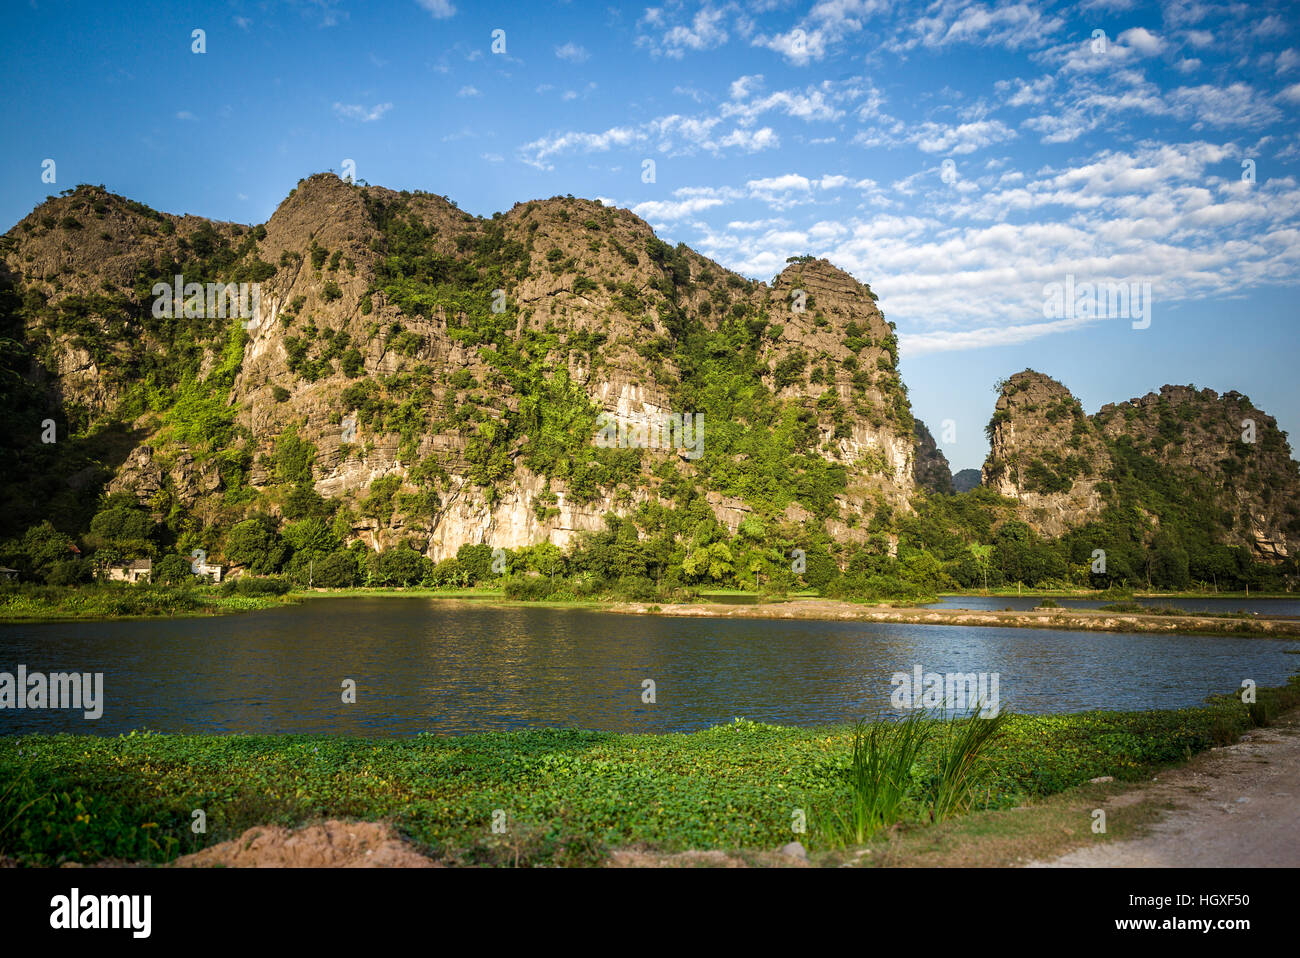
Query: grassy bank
{"x": 1165, "y": 622}
{"x": 568, "y": 796}
{"x": 120, "y": 600}
{"x": 114, "y": 600}
{"x": 1004, "y": 592}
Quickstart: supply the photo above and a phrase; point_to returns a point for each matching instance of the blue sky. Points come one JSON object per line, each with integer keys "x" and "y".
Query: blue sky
{"x": 959, "y": 156}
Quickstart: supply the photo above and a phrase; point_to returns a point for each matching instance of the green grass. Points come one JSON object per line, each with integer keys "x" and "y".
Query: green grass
{"x": 568, "y": 795}
{"x": 414, "y": 591}
{"x": 1137, "y": 607}
{"x": 1082, "y": 593}
{"x": 123, "y": 601}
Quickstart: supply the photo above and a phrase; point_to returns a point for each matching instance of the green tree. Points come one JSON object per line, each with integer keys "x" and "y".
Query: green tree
{"x": 172, "y": 569}
{"x": 475, "y": 561}
{"x": 256, "y": 545}
{"x": 713, "y": 562}
{"x": 311, "y": 538}
{"x": 337, "y": 570}
{"x": 400, "y": 566}
{"x": 41, "y": 548}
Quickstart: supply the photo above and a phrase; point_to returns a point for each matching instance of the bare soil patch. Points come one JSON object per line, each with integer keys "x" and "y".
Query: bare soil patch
{"x": 331, "y": 844}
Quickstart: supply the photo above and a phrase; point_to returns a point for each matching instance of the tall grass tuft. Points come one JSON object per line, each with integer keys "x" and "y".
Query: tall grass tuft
{"x": 960, "y": 749}
{"x": 879, "y": 772}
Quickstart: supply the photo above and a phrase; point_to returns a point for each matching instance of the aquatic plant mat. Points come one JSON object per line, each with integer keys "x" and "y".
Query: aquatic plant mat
{"x": 575, "y": 797}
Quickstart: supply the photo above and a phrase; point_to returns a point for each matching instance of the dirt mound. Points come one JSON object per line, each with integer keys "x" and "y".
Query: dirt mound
{"x": 332, "y": 844}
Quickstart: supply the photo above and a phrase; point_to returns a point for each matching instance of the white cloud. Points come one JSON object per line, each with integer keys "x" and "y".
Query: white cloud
{"x": 660, "y": 210}
{"x": 1235, "y": 105}
{"x": 684, "y": 134}
{"x": 1142, "y": 40}
{"x": 572, "y": 52}
{"x": 1027, "y": 92}
{"x": 1012, "y": 26}
{"x": 811, "y": 104}
{"x": 829, "y": 23}
{"x": 705, "y": 31}
{"x": 354, "y": 111}
{"x": 1271, "y": 26}
{"x": 963, "y": 138}
{"x": 673, "y": 135}
{"x": 438, "y": 9}
{"x": 752, "y": 141}
{"x": 957, "y": 273}
{"x": 919, "y": 344}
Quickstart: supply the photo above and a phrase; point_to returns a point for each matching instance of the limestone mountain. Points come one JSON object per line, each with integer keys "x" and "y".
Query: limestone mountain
{"x": 433, "y": 377}
{"x": 1179, "y": 457}
{"x": 964, "y": 480}
{"x": 930, "y": 466}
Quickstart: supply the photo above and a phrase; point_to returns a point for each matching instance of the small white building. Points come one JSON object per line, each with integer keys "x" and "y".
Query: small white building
{"x": 141, "y": 570}
{"x": 202, "y": 569}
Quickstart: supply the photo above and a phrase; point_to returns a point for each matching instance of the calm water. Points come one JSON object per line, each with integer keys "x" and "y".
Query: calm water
{"x": 451, "y": 667}
{"x": 1021, "y": 603}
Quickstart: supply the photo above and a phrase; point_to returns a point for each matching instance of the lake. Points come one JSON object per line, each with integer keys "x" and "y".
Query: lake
{"x": 445, "y": 666}
{"x": 1019, "y": 603}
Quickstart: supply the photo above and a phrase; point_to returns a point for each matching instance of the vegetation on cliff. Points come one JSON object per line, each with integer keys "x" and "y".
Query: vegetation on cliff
{"x": 419, "y": 377}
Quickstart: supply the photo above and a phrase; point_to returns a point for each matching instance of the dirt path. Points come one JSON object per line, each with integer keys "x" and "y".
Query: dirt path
{"x": 1233, "y": 806}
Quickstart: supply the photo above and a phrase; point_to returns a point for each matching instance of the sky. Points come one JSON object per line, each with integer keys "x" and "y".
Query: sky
{"x": 969, "y": 160}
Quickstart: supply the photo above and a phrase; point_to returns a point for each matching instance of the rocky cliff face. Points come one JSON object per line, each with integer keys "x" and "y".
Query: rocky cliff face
{"x": 1234, "y": 449}
{"x": 1064, "y": 467}
{"x": 1045, "y": 453}
{"x": 438, "y": 376}
{"x": 930, "y": 468}
{"x": 409, "y": 374}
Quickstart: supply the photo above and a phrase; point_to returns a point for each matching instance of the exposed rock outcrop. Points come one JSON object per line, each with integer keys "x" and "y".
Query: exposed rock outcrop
{"x": 1063, "y": 466}
{"x": 590, "y": 281}
{"x": 930, "y": 468}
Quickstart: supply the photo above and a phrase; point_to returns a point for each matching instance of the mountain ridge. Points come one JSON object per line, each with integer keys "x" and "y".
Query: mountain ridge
{"x": 422, "y": 378}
